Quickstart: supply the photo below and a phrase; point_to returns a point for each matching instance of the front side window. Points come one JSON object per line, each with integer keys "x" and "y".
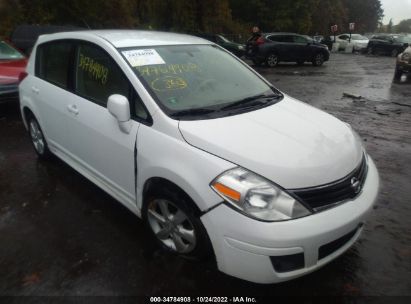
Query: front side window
{"x": 9, "y": 53}
{"x": 191, "y": 80}
{"x": 300, "y": 39}
{"x": 53, "y": 62}
{"x": 98, "y": 76}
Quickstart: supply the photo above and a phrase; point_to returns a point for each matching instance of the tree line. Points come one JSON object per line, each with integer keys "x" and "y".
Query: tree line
{"x": 218, "y": 16}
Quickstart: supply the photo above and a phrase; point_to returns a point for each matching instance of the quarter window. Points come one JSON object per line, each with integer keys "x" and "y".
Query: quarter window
{"x": 53, "y": 62}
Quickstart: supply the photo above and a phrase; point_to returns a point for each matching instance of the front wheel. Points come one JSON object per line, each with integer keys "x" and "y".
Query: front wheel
{"x": 318, "y": 59}
{"x": 171, "y": 219}
{"x": 397, "y": 74}
{"x": 272, "y": 60}
{"x": 394, "y": 53}
{"x": 37, "y": 139}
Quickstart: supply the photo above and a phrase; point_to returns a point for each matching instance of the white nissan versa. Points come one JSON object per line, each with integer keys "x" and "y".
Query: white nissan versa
{"x": 213, "y": 157}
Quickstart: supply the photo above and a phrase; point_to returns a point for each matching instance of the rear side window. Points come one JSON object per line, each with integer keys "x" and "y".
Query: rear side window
{"x": 53, "y": 62}
{"x": 98, "y": 76}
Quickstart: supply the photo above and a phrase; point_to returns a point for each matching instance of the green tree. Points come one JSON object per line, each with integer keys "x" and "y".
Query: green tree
{"x": 404, "y": 26}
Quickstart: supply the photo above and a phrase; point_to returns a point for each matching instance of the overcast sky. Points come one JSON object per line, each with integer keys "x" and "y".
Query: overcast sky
{"x": 397, "y": 10}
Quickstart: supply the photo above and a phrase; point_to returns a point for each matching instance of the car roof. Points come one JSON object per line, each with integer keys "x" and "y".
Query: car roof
{"x": 132, "y": 38}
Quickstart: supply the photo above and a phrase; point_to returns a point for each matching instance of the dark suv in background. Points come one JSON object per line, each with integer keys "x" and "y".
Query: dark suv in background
{"x": 388, "y": 44}
{"x": 234, "y": 47}
{"x": 271, "y": 48}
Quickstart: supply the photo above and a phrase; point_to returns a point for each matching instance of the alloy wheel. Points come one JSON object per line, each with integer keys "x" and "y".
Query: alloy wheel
{"x": 272, "y": 60}
{"x": 319, "y": 59}
{"x": 171, "y": 226}
{"x": 37, "y": 137}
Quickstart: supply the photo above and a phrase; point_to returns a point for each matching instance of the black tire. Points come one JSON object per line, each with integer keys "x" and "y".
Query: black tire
{"x": 272, "y": 60}
{"x": 370, "y": 51}
{"x": 318, "y": 59}
{"x": 257, "y": 62}
{"x": 165, "y": 232}
{"x": 397, "y": 74}
{"x": 395, "y": 53}
{"x": 37, "y": 138}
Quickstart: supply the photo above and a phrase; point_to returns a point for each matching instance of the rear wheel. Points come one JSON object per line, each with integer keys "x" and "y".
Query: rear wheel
{"x": 318, "y": 59}
{"x": 370, "y": 51}
{"x": 272, "y": 60}
{"x": 37, "y": 138}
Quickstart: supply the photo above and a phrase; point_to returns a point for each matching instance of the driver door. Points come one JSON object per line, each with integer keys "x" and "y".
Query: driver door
{"x": 100, "y": 149}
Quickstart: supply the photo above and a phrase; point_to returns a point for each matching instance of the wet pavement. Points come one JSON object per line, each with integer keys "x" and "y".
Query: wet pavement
{"x": 61, "y": 235}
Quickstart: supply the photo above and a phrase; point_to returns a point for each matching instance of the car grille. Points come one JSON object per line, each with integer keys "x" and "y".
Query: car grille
{"x": 323, "y": 197}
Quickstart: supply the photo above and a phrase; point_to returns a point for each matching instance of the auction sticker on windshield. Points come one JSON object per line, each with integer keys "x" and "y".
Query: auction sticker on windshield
{"x": 143, "y": 57}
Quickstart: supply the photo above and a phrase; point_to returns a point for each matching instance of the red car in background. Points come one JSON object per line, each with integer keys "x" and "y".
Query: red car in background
{"x": 12, "y": 68}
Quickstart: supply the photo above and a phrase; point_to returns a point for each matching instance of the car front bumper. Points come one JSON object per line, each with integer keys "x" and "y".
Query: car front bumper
{"x": 260, "y": 252}
{"x": 404, "y": 66}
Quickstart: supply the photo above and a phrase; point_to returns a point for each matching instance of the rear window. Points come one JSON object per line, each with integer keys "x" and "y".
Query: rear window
{"x": 53, "y": 62}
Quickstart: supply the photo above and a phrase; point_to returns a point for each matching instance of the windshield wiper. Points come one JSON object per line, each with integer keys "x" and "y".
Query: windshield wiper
{"x": 192, "y": 112}
{"x": 251, "y": 101}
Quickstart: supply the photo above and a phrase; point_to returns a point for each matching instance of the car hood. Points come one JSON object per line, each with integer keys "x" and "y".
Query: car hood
{"x": 290, "y": 143}
{"x": 10, "y": 70}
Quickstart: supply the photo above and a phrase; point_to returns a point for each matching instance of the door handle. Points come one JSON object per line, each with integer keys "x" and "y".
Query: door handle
{"x": 72, "y": 109}
{"x": 35, "y": 90}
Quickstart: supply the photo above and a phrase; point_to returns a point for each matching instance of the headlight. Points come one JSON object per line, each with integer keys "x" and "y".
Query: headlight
{"x": 241, "y": 47}
{"x": 257, "y": 197}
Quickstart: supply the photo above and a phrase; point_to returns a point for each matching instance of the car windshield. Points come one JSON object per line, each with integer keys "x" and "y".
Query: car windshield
{"x": 403, "y": 39}
{"x": 223, "y": 38}
{"x": 7, "y": 52}
{"x": 193, "y": 81}
{"x": 358, "y": 37}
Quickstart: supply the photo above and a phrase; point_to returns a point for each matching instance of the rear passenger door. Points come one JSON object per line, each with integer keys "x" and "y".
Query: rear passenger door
{"x": 282, "y": 45}
{"x": 102, "y": 151}
{"x": 50, "y": 90}
{"x": 301, "y": 50}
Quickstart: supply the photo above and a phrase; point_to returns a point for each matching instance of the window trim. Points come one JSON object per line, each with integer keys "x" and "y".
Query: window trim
{"x": 72, "y": 77}
{"x": 39, "y": 50}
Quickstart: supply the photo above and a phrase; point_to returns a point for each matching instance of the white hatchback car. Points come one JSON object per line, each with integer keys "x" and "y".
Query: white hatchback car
{"x": 213, "y": 157}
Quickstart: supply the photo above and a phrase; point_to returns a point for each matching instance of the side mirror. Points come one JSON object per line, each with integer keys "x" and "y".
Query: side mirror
{"x": 119, "y": 107}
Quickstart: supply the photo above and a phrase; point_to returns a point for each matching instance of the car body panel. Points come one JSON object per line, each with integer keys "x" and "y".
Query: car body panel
{"x": 287, "y": 50}
{"x": 290, "y": 143}
{"x": 10, "y": 70}
{"x": 320, "y": 148}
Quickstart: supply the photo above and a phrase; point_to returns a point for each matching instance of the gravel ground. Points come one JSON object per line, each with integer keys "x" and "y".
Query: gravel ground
{"x": 61, "y": 235}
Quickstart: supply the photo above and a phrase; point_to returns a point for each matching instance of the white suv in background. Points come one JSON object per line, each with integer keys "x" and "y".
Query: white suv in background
{"x": 191, "y": 139}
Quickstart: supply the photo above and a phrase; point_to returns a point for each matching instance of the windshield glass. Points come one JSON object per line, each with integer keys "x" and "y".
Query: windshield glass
{"x": 197, "y": 79}
{"x": 358, "y": 37}
{"x": 403, "y": 39}
{"x": 8, "y": 52}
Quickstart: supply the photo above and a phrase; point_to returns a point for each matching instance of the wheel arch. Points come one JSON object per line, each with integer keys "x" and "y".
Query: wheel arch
{"x": 154, "y": 184}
